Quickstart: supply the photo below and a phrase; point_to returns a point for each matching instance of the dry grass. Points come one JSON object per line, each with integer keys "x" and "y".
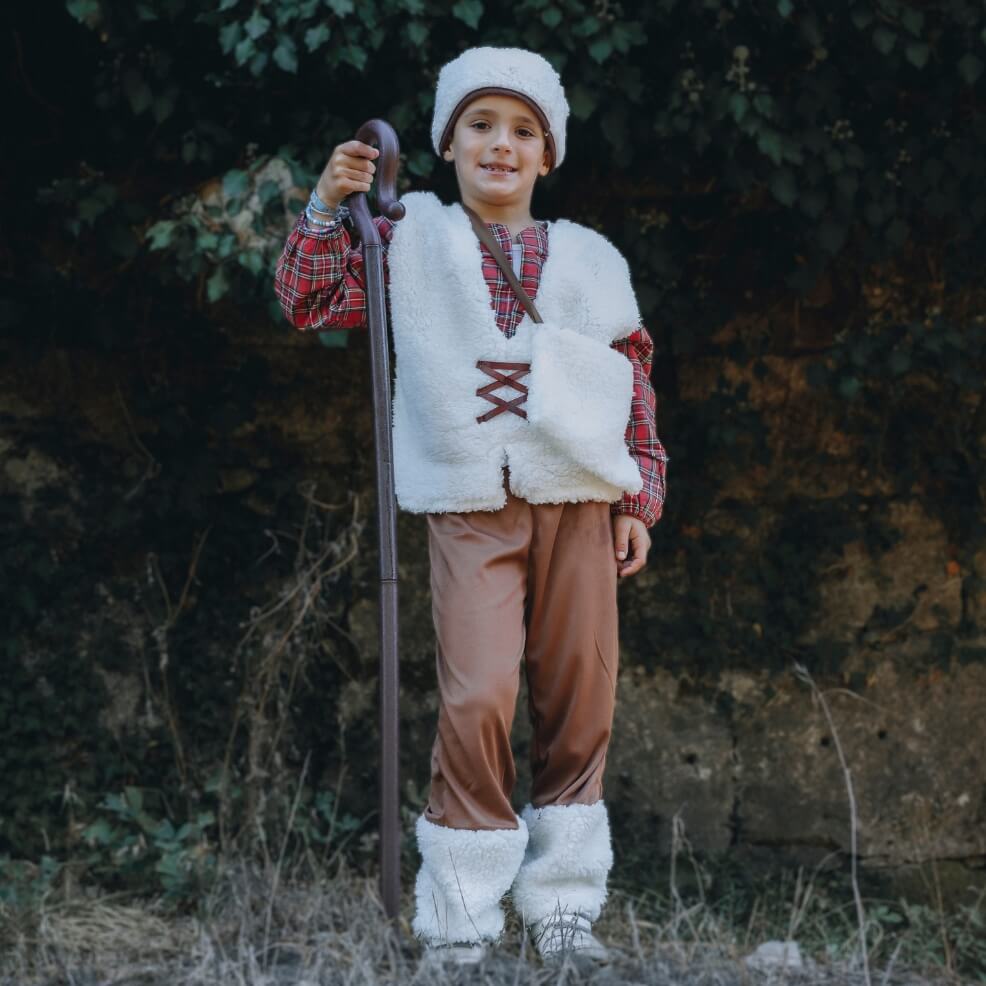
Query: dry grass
{"x": 270, "y": 921}
{"x": 331, "y": 930}
{"x": 267, "y": 921}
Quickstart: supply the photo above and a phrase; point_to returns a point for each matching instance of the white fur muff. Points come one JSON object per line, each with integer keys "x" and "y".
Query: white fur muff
{"x": 464, "y": 873}
{"x": 567, "y": 862}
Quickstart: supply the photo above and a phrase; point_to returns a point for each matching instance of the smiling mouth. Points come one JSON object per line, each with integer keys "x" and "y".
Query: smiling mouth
{"x": 498, "y": 169}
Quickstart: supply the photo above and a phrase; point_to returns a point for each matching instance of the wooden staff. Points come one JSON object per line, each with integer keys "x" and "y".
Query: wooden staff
{"x": 381, "y": 134}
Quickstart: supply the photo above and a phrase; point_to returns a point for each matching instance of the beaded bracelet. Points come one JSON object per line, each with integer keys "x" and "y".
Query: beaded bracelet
{"x": 340, "y": 214}
{"x": 319, "y": 222}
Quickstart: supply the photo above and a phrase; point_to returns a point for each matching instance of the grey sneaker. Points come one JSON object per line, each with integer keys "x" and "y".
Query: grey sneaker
{"x": 454, "y": 953}
{"x": 561, "y": 934}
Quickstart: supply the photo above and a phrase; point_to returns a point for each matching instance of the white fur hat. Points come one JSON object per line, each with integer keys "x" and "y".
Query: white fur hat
{"x": 512, "y": 71}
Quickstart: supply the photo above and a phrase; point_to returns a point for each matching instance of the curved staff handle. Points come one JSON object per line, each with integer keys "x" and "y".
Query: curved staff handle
{"x": 382, "y": 134}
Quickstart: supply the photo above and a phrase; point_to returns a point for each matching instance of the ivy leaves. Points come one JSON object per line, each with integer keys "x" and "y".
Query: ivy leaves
{"x": 230, "y": 229}
{"x": 468, "y": 11}
{"x": 841, "y": 123}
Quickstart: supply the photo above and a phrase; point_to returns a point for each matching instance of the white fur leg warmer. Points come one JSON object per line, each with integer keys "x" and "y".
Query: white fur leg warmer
{"x": 463, "y": 875}
{"x": 569, "y": 856}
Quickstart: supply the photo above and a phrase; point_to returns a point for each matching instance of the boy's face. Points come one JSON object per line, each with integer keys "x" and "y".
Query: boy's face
{"x": 499, "y": 149}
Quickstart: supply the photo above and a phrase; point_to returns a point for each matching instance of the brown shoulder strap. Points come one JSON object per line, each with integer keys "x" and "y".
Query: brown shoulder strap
{"x": 489, "y": 240}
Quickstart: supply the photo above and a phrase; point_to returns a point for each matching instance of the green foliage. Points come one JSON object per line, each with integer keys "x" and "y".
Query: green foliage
{"x": 230, "y": 228}
{"x": 851, "y": 120}
{"x": 23, "y": 885}
{"x": 136, "y": 848}
{"x": 916, "y": 931}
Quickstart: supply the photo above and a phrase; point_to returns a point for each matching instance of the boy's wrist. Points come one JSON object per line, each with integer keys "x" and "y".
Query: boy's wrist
{"x": 321, "y": 201}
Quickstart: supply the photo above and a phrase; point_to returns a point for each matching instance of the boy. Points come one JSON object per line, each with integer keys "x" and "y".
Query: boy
{"x": 533, "y": 495}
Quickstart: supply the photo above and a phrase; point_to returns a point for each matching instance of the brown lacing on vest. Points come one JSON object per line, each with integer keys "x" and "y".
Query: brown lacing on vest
{"x": 501, "y": 379}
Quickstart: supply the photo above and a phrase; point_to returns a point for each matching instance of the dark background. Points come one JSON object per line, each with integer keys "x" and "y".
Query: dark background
{"x": 189, "y": 546}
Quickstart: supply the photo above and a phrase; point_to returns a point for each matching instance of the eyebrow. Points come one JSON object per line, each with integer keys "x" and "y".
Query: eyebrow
{"x": 486, "y": 111}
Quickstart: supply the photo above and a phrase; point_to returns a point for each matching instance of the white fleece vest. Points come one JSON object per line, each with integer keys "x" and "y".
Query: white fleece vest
{"x": 571, "y": 447}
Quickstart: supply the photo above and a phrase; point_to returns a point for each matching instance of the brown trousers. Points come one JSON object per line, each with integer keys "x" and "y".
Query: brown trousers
{"x": 531, "y": 581}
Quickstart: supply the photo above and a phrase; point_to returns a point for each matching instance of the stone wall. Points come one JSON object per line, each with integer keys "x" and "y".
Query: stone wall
{"x": 714, "y": 728}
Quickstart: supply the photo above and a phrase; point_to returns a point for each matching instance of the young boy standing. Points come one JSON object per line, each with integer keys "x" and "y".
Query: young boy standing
{"x": 531, "y": 447}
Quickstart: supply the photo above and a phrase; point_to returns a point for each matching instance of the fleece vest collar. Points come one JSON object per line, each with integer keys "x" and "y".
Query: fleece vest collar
{"x": 571, "y": 446}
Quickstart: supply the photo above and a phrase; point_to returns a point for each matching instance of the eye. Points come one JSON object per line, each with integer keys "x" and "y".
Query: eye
{"x": 525, "y": 132}
{"x": 479, "y": 123}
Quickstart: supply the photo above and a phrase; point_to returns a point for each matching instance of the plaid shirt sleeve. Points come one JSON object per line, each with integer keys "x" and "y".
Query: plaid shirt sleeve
{"x": 319, "y": 278}
{"x": 641, "y": 434}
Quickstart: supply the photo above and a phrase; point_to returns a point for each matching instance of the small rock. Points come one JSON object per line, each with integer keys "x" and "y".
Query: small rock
{"x": 770, "y": 954}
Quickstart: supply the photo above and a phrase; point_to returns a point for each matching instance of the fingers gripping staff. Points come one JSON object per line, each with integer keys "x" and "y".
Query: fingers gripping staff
{"x": 349, "y": 171}
{"x": 383, "y": 134}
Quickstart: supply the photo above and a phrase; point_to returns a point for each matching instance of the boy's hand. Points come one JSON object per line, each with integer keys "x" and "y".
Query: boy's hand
{"x": 631, "y": 538}
{"x": 349, "y": 169}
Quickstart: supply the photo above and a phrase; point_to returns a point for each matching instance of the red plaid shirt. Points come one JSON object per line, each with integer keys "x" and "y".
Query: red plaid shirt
{"x": 320, "y": 284}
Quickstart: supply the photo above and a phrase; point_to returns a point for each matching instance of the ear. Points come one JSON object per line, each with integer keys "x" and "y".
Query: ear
{"x": 545, "y": 163}
{"x": 447, "y": 154}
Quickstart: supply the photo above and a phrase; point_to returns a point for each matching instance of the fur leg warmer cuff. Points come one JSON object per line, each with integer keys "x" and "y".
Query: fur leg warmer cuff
{"x": 569, "y": 856}
{"x": 463, "y": 875}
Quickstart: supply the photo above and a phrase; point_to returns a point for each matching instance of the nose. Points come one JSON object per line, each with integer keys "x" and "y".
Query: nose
{"x": 501, "y": 139}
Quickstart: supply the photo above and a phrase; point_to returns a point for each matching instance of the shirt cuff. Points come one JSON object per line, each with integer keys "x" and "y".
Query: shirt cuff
{"x": 634, "y": 509}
